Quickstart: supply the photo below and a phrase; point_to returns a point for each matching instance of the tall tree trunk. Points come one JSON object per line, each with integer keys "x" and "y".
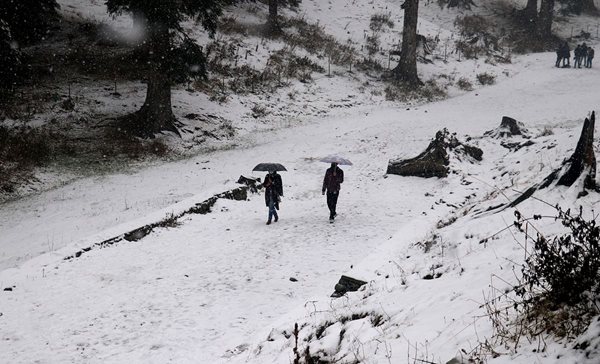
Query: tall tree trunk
{"x": 588, "y": 6}
{"x": 406, "y": 70}
{"x": 529, "y": 13}
{"x": 273, "y": 21}
{"x": 545, "y": 18}
{"x": 156, "y": 113}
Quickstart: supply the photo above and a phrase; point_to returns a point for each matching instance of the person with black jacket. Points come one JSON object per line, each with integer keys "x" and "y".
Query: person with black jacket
{"x": 273, "y": 191}
{"x": 334, "y": 177}
{"x": 590, "y": 56}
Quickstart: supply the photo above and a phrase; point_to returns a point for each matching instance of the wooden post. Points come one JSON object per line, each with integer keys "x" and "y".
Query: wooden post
{"x": 445, "y": 51}
{"x": 329, "y": 66}
{"x": 389, "y": 60}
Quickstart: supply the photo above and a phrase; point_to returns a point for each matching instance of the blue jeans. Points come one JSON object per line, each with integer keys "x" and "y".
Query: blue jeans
{"x": 272, "y": 210}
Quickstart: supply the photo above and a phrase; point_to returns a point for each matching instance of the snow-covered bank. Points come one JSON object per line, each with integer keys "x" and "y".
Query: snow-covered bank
{"x": 196, "y": 292}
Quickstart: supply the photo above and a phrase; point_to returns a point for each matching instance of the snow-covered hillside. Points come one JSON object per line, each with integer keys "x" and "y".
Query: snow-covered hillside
{"x": 216, "y": 288}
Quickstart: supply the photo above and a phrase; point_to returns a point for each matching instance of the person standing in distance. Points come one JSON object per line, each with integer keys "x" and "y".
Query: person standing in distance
{"x": 334, "y": 177}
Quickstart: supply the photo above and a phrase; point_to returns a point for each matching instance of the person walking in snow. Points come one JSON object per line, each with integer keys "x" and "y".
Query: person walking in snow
{"x": 273, "y": 191}
{"x": 334, "y": 177}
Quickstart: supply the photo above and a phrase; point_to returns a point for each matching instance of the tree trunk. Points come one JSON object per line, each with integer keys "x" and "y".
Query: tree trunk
{"x": 582, "y": 162}
{"x": 156, "y": 114}
{"x": 583, "y": 159}
{"x": 273, "y": 21}
{"x": 435, "y": 160}
{"x": 406, "y": 70}
{"x": 545, "y": 17}
{"x": 529, "y": 13}
{"x": 588, "y": 6}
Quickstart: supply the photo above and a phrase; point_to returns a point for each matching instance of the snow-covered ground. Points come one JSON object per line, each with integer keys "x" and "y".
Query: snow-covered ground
{"x": 217, "y": 288}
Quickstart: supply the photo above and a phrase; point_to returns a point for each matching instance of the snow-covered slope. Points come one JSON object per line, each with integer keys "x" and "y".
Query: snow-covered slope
{"x": 217, "y": 288}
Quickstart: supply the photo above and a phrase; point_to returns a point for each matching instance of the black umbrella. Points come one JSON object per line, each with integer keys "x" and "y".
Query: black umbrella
{"x": 268, "y": 167}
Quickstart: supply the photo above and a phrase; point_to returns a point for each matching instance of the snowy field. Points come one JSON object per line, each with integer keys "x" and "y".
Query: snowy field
{"x": 217, "y": 288}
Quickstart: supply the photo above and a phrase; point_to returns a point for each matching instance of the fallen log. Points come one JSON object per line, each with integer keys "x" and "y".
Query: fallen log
{"x": 435, "y": 160}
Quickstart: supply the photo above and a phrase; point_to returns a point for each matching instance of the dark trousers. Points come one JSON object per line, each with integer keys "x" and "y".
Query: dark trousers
{"x": 332, "y": 198}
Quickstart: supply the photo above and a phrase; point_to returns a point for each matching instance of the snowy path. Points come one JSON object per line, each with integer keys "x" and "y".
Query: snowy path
{"x": 189, "y": 293}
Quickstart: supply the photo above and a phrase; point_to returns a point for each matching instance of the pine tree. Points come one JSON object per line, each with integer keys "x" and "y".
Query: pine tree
{"x": 273, "y": 24}
{"x": 544, "y": 19}
{"x": 529, "y": 13}
{"x": 10, "y": 59}
{"x": 172, "y": 55}
{"x": 28, "y": 20}
{"x": 579, "y": 6}
{"x": 406, "y": 70}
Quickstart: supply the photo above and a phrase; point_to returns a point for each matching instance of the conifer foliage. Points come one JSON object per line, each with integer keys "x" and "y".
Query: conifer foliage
{"x": 172, "y": 55}
{"x": 10, "y": 59}
{"x": 29, "y": 20}
{"x": 22, "y": 22}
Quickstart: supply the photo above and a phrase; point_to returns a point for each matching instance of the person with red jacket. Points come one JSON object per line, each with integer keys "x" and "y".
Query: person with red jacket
{"x": 334, "y": 177}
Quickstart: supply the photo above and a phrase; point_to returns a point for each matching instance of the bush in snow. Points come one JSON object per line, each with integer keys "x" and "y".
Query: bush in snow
{"x": 561, "y": 274}
{"x": 379, "y": 21}
{"x": 464, "y": 84}
{"x": 486, "y": 78}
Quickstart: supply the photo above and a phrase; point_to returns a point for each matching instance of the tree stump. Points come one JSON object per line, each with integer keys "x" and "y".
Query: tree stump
{"x": 581, "y": 164}
{"x": 347, "y": 284}
{"x": 508, "y": 127}
{"x": 435, "y": 160}
{"x": 583, "y": 159}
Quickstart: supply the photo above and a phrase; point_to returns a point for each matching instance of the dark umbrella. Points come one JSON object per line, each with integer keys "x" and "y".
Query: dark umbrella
{"x": 269, "y": 167}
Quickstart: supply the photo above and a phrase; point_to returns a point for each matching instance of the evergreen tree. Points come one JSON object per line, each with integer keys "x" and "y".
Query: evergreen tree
{"x": 529, "y": 13}
{"x": 579, "y": 6}
{"x": 28, "y": 20}
{"x": 273, "y": 24}
{"x": 172, "y": 55}
{"x": 10, "y": 59}
{"x": 544, "y": 19}
{"x": 406, "y": 70}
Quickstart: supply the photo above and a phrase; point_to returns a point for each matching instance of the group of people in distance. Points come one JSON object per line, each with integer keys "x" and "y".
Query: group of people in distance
{"x": 334, "y": 176}
{"x": 581, "y": 54}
